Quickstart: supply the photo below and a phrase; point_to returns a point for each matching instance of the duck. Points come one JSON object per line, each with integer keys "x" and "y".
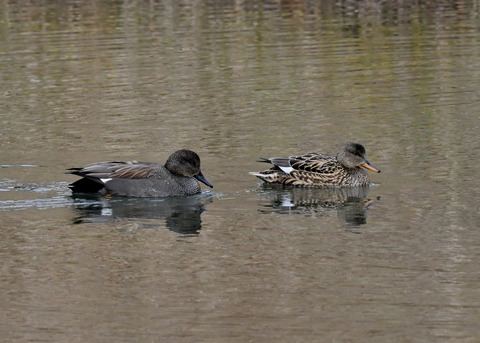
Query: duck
{"x": 313, "y": 169}
{"x": 177, "y": 177}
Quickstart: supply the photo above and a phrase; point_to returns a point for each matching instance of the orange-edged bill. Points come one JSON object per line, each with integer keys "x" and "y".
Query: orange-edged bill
{"x": 368, "y": 166}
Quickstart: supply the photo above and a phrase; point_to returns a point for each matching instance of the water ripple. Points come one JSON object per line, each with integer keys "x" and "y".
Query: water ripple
{"x": 18, "y": 196}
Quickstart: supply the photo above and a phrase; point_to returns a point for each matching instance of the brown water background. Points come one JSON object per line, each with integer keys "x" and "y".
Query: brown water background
{"x": 85, "y": 81}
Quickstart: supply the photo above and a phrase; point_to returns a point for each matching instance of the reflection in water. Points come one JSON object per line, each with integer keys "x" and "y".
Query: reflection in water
{"x": 181, "y": 214}
{"x": 350, "y": 203}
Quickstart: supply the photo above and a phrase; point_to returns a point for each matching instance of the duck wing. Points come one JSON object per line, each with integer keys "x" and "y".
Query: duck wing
{"x": 115, "y": 170}
{"x": 314, "y": 163}
{"x": 311, "y": 162}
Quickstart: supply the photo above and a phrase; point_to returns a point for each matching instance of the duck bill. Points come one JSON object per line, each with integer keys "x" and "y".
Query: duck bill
{"x": 202, "y": 178}
{"x": 369, "y": 166}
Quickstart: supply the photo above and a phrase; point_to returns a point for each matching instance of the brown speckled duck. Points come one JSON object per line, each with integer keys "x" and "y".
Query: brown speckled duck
{"x": 320, "y": 170}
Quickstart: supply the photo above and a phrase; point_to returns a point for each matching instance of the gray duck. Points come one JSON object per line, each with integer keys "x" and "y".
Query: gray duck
{"x": 177, "y": 177}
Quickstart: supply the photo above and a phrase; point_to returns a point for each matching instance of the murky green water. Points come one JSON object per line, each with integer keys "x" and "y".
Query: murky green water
{"x": 89, "y": 81}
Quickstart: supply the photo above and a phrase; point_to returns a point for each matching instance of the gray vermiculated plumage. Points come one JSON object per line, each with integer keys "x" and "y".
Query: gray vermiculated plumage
{"x": 142, "y": 179}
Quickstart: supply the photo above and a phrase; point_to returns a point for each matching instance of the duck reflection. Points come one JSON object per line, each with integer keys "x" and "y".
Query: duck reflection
{"x": 349, "y": 203}
{"x": 178, "y": 214}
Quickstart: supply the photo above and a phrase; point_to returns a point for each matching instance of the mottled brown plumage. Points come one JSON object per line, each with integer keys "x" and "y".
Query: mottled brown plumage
{"x": 317, "y": 170}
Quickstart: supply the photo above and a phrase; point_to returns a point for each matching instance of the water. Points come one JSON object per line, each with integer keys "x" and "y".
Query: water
{"x": 396, "y": 261}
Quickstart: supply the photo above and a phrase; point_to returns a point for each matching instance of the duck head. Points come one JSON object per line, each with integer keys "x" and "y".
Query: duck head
{"x": 186, "y": 163}
{"x": 352, "y": 155}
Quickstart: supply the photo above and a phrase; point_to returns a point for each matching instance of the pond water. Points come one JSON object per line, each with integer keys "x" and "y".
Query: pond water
{"x": 236, "y": 80}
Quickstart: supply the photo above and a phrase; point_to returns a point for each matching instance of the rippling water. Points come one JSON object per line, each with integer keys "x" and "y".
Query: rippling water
{"x": 89, "y": 81}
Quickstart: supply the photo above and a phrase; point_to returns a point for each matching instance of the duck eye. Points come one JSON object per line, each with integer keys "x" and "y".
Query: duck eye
{"x": 355, "y": 152}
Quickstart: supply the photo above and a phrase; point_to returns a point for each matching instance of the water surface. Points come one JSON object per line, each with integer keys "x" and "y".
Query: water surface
{"x": 85, "y": 82}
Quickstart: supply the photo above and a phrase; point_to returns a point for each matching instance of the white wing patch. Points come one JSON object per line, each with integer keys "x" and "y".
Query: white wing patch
{"x": 286, "y": 170}
{"x": 105, "y": 180}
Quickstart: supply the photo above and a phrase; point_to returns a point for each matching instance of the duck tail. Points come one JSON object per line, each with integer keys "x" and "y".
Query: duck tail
{"x": 257, "y": 174}
{"x": 268, "y": 176}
